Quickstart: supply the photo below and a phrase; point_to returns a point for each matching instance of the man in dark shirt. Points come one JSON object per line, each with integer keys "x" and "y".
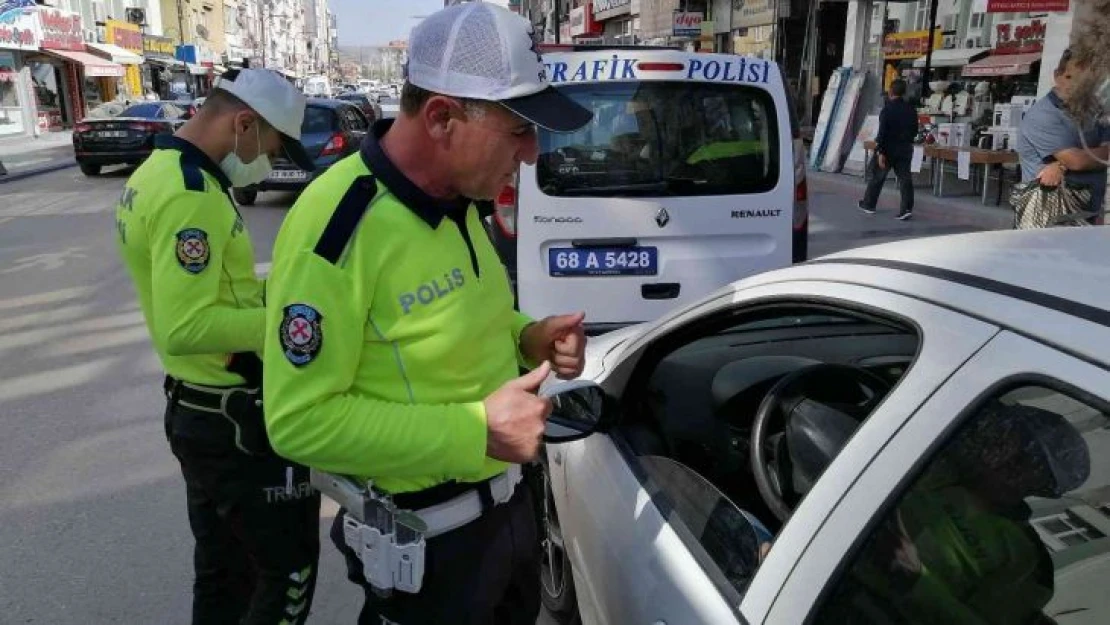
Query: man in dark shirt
{"x": 894, "y": 150}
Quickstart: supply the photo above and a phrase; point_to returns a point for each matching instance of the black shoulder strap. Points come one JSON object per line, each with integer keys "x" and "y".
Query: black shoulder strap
{"x": 194, "y": 179}
{"x": 341, "y": 226}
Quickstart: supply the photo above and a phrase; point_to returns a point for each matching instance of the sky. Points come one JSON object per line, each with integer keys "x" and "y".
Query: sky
{"x": 376, "y": 22}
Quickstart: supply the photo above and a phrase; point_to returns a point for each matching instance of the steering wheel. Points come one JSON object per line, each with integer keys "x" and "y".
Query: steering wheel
{"x": 787, "y": 397}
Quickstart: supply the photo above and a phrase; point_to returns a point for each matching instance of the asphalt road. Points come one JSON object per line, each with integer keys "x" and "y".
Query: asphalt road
{"x": 92, "y": 512}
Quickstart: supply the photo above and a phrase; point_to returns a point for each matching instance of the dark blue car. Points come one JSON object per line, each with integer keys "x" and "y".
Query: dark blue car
{"x": 331, "y": 130}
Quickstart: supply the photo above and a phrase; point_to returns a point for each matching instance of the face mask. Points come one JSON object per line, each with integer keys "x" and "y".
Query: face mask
{"x": 245, "y": 174}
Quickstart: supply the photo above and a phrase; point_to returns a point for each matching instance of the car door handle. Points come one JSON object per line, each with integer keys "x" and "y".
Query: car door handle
{"x": 617, "y": 242}
{"x": 661, "y": 290}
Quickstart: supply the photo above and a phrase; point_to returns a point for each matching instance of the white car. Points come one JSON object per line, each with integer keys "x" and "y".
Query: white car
{"x": 921, "y": 428}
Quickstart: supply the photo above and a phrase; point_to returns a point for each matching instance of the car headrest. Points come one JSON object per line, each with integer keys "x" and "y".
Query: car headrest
{"x": 738, "y": 376}
{"x": 1036, "y": 451}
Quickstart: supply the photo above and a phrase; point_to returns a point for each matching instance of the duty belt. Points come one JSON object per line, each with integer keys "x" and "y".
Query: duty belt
{"x": 468, "y": 506}
{"x": 239, "y": 407}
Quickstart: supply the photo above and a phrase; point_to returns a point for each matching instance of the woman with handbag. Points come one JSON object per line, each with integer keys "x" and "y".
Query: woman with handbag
{"x": 1063, "y": 172}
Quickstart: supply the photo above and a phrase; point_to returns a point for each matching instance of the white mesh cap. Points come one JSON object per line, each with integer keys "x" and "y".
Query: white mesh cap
{"x": 482, "y": 51}
{"x": 276, "y": 101}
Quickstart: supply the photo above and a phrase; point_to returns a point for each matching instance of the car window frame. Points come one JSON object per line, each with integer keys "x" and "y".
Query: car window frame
{"x": 999, "y": 363}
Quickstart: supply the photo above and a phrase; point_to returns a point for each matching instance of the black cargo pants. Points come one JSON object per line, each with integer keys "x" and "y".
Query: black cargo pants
{"x": 483, "y": 573}
{"x": 255, "y": 518}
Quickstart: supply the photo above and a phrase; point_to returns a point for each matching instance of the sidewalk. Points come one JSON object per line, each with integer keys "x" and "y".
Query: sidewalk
{"x": 959, "y": 206}
{"x": 28, "y": 156}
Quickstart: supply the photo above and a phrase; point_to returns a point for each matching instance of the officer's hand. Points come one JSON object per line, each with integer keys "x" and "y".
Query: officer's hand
{"x": 560, "y": 339}
{"x": 516, "y": 417}
{"x": 882, "y": 161}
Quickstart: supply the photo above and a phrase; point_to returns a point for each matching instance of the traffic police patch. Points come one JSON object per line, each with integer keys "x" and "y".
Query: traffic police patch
{"x": 192, "y": 250}
{"x": 300, "y": 333}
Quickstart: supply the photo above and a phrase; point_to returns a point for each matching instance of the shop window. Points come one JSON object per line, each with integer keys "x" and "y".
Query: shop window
{"x": 978, "y": 19}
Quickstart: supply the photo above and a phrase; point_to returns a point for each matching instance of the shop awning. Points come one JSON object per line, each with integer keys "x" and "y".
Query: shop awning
{"x": 1003, "y": 65}
{"x": 198, "y": 70}
{"x": 115, "y": 53}
{"x": 94, "y": 66}
{"x": 953, "y": 57}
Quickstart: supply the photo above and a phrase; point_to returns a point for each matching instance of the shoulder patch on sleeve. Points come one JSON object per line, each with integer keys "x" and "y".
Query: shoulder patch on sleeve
{"x": 354, "y": 204}
{"x": 194, "y": 178}
{"x": 301, "y": 334}
{"x": 192, "y": 250}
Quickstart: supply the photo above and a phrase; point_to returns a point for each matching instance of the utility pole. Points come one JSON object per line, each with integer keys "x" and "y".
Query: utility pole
{"x": 558, "y": 8}
{"x": 925, "y": 90}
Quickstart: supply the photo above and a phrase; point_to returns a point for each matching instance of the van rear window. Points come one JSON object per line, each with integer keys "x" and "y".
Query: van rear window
{"x": 664, "y": 139}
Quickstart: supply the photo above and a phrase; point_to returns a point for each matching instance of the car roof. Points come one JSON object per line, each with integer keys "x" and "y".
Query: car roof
{"x": 1065, "y": 263}
{"x": 329, "y": 103}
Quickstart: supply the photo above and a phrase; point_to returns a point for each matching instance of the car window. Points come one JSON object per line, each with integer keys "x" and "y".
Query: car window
{"x": 318, "y": 119}
{"x": 695, "y": 397}
{"x": 1008, "y": 522}
{"x": 149, "y": 110}
{"x": 356, "y": 121}
{"x": 664, "y": 138}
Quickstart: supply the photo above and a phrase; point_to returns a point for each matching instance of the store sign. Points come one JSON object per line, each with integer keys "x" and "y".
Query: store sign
{"x": 582, "y": 22}
{"x": 687, "y": 24}
{"x": 61, "y": 30}
{"x": 1027, "y": 6}
{"x": 748, "y": 13}
{"x": 1019, "y": 36}
{"x": 158, "y": 46}
{"x": 19, "y": 26}
{"x": 911, "y": 45}
{"x": 125, "y": 35}
{"x": 603, "y": 6}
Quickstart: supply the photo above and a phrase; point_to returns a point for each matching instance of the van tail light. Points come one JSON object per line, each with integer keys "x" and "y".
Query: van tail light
{"x": 801, "y": 204}
{"x": 335, "y": 145}
{"x": 504, "y": 211}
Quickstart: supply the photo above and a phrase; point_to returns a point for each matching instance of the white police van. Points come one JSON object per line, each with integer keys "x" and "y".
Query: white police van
{"x": 686, "y": 179}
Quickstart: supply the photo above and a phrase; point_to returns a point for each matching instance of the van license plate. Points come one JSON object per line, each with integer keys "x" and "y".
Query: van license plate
{"x": 603, "y": 261}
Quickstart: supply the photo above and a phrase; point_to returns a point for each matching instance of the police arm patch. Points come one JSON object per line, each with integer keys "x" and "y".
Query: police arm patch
{"x": 300, "y": 333}
{"x": 193, "y": 251}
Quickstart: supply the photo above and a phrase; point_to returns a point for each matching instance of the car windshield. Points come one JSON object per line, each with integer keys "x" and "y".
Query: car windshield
{"x": 664, "y": 138}
{"x": 317, "y": 119}
{"x": 149, "y": 110}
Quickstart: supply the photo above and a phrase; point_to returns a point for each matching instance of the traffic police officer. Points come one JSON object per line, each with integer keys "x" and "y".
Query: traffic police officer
{"x": 253, "y": 515}
{"x": 392, "y": 346}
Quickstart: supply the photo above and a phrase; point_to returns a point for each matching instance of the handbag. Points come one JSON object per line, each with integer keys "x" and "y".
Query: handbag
{"x": 1037, "y": 206}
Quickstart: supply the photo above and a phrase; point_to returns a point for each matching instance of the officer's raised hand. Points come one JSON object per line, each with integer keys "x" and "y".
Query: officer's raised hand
{"x": 516, "y": 417}
{"x": 561, "y": 340}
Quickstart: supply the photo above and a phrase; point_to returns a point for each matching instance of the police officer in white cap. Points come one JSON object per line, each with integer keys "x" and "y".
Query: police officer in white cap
{"x": 253, "y": 514}
{"x": 393, "y": 352}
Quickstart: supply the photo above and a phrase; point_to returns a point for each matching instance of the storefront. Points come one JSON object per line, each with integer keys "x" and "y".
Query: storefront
{"x": 582, "y": 23}
{"x": 197, "y": 71}
{"x": 616, "y": 21}
{"x": 123, "y": 44}
{"x": 1013, "y": 67}
{"x": 753, "y": 31}
{"x": 68, "y": 80}
{"x": 900, "y": 50}
{"x": 158, "y": 71}
{"x": 19, "y": 33}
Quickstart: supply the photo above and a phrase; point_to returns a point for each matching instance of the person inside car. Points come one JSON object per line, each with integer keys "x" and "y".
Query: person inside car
{"x": 959, "y": 547}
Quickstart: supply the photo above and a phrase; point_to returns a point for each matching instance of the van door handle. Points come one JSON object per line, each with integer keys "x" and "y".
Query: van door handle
{"x": 661, "y": 290}
{"x": 622, "y": 242}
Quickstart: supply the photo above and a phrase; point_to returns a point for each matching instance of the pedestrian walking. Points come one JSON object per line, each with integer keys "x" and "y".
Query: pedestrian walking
{"x": 253, "y": 515}
{"x": 392, "y": 346}
{"x": 893, "y": 150}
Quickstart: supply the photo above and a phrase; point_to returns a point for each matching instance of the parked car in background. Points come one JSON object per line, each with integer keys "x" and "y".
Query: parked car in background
{"x": 127, "y": 138}
{"x": 371, "y": 109}
{"x": 332, "y": 129}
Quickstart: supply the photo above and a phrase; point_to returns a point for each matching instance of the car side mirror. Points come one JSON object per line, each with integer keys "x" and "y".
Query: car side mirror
{"x": 579, "y": 408}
